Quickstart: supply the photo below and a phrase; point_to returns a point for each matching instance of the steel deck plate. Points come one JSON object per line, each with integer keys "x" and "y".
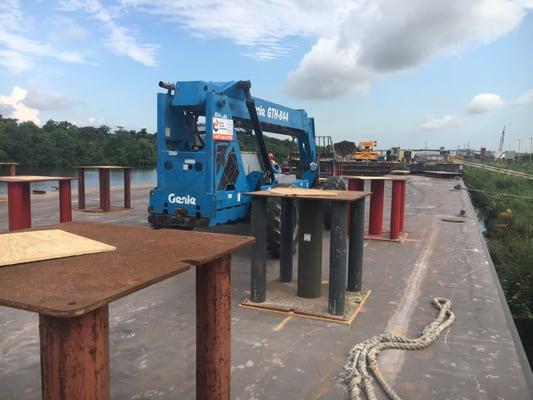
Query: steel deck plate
{"x": 76, "y": 285}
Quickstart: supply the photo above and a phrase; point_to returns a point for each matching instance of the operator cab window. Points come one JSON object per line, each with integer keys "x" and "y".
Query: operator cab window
{"x": 186, "y": 132}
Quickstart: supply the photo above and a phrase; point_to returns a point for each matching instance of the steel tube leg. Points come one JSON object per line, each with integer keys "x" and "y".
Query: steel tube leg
{"x": 105, "y": 195}
{"x": 11, "y": 170}
{"x": 81, "y": 189}
{"x": 402, "y": 205}
{"x": 358, "y": 185}
{"x": 355, "y": 257}
{"x": 19, "y": 205}
{"x": 375, "y": 224}
{"x": 213, "y": 330}
{"x": 395, "y": 215}
{"x": 337, "y": 258}
{"x": 286, "y": 240}
{"x": 259, "y": 250}
{"x": 310, "y": 248}
{"x": 127, "y": 188}
{"x": 75, "y": 356}
{"x": 65, "y": 202}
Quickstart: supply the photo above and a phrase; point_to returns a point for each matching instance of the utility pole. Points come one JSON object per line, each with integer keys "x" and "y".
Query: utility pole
{"x": 518, "y": 146}
{"x": 530, "y": 148}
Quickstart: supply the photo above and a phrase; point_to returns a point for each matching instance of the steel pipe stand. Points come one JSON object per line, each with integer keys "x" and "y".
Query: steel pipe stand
{"x": 281, "y": 298}
{"x": 385, "y": 237}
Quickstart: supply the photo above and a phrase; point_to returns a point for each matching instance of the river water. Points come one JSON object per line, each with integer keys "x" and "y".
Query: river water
{"x": 139, "y": 176}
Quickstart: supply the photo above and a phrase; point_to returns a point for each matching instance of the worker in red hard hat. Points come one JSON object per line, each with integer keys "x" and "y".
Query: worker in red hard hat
{"x": 273, "y": 163}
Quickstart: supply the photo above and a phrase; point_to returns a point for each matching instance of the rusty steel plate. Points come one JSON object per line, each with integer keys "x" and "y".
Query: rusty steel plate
{"x": 73, "y": 286}
{"x": 299, "y": 193}
{"x": 35, "y": 178}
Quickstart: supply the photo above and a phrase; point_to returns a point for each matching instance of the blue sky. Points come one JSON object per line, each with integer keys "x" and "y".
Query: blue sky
{"x": 401, "y": 72}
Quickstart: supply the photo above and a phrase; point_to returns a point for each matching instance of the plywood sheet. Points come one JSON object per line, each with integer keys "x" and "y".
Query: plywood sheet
{"x": 311, "y": 194}
{"x": 23, "y": 247}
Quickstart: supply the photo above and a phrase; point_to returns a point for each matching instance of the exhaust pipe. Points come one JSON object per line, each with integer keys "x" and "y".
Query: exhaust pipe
{"x": 167, "y": 85}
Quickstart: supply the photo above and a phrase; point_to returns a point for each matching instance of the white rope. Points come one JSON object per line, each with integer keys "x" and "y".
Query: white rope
{"x": 362, "y": 359}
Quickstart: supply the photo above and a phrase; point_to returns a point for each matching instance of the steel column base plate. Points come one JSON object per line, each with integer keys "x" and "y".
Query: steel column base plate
{"x": 281, "y": 298}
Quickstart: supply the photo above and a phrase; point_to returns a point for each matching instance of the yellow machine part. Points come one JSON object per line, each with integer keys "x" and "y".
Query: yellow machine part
{"x": 368, "y": 144}
{"x": 366, "y": 156}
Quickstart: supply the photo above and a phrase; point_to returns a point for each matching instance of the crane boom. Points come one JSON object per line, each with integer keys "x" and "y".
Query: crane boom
{"x": 500, "y": 147}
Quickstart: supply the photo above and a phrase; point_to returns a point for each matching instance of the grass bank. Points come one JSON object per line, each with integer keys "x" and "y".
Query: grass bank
{"x": 506, "y": 207}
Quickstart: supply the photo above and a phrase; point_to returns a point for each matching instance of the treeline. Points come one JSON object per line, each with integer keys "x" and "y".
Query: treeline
{"x": 62, "y": 144}
{"x": 279, "y": 147}
{"x": 506, "y": 205}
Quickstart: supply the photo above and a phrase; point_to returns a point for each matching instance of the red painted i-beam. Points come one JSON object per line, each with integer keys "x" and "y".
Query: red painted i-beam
{"x": 75, "y": 356}
{"x": 375, "y": 224}
{"x": 396, "y": 209}
{"x": 127, "y": 188}
{"x": 105, "y": 191}
{"x": 213, "y": 330}
{"x": 402, "y": 205}
{"x": 19, "y": 205}
{"x": 65, "y": 201}
{"x": 81, "y": 189}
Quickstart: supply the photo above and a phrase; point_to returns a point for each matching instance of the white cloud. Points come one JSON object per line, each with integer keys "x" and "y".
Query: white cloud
{"x": 17, "y": 50}
{"x": 526, "y": 98}
{"x": 43, "y": 99}
{"x": 325, "y": 72}
{"x": 484, "y": 103}
{"x": 121, "y": 40}
{"x": 385, "y": 37}
{"x": 357, "y": 41}
{"x": 14, "y": 104}
{"x": 63, "y": 29}
{"x": 264, "y": 29}
{"x": 433, "y": 123}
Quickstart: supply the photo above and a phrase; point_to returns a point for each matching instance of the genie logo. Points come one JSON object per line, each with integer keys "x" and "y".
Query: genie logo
{"x": 173, "y": 199}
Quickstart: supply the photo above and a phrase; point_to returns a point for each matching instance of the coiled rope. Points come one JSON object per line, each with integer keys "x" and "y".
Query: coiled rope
{"x": 362, "y": 358}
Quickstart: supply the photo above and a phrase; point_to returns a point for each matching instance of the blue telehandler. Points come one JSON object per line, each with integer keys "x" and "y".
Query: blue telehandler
{"x": 202, "y": 174}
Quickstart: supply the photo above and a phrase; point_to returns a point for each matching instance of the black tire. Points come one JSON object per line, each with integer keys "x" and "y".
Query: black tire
{"x": 274, "y": 226}
{"x": 332, "y": 183}
{"x": 152, "y": 219}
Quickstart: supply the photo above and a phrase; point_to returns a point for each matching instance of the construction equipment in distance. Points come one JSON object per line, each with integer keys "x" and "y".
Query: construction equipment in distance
{"x": 400, "y": 155}
{"x": 500, "y": 154}
{"x": 365, "y": 151}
